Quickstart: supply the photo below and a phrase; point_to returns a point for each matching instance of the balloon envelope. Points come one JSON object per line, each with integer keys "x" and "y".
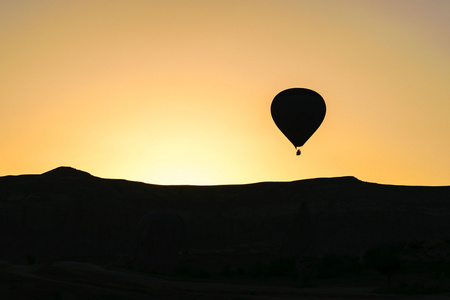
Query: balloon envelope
{"x": 298, "y": 112}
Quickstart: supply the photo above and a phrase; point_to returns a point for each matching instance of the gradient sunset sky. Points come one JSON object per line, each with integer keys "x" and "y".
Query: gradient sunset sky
{"x": 179, "y": 92}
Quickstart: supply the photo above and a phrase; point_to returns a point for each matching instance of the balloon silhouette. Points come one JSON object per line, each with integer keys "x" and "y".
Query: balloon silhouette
{"x": 298, "y": 112}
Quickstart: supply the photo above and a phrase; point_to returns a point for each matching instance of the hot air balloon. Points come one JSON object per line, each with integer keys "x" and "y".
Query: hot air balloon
{"x": 298, "y": 112}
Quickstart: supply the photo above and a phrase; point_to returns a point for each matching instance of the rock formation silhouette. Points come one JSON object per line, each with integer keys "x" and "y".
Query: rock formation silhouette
{"x": 160, "y": 238}
{"x": 69, "y": 214}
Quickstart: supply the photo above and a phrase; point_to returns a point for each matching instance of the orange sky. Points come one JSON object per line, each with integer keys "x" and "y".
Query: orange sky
{"x": 179, "y": 92}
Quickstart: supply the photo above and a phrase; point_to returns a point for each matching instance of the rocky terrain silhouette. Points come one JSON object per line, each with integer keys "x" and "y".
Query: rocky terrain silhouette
{"x": 249, "y": 230}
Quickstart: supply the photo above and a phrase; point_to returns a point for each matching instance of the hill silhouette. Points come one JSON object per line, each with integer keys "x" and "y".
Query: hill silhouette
{"x": 77, "y": 212}
{"x": 68, "y": 214}
{"x": 66, "y": 172}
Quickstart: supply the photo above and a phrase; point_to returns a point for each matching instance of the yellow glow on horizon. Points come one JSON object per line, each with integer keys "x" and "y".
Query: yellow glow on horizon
{"x": 171, "y": 92}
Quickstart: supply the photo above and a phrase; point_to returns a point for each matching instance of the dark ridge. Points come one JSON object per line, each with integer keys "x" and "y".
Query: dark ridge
{"x": 342, "y": 179}
{"x": 67, "y": 172}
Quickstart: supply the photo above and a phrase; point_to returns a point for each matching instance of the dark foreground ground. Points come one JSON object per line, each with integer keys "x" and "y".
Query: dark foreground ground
{"x": 75, "y": 280}
{"x": 68, "y": 235}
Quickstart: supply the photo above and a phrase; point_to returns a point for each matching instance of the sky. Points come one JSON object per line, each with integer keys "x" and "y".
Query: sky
{"x": 179, "y": 92}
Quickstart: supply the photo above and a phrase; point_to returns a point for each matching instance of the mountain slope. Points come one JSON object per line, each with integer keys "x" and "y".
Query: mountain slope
{"x": 67, "y": 213}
